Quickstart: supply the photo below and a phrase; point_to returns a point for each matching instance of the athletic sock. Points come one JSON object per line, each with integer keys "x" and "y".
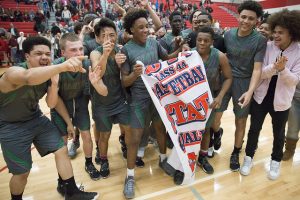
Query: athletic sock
{"x": 71, "y": 187}
{"x": 88, "y": 161}
{"x": 236, "y": 150}
{"x": 130, "y": 172}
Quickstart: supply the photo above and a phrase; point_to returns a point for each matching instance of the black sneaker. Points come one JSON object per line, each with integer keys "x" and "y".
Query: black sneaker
{"x": 168, "y": 169}
{"x": 217, "y": 139}
{"x": 104, "y": 170}
{"x": 61, "y": 189}
{"x": 234, "y": 162}
{"x": 92, "y": 171}
{"x": 97, "y": 157}
{"x": 204, "y": 164}
{"x": 139, "y": 162}
{"x": 80, "y": 195}
{"x": 178, "y": 177}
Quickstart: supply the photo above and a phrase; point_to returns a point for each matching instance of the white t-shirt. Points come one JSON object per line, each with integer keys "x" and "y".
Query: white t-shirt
{"x": 20, "y": 41}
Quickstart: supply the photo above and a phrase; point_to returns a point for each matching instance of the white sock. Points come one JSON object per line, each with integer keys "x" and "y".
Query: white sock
{"x": 141, "y": 152}
{"x": 130, "y": 172}
{"x": 162, "y": 157}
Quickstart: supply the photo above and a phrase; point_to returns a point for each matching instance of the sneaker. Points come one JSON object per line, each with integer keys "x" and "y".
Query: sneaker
{"x": 92, "y": 171}
{"x": 217, "y": 140}
{"x": 204, "y": 164}
{"x": 234, "y": 162}
{"x": 139, "y": 162}
{"x": 247, "y": 165}
{"x": 72, "y": 151}
{"x": 97, "y": 157}
{"x": 61, "y": 189}
{"x": 211, "y": 152}
{"x": 178, "y": 177}
{"x": 104, "y": 170}
{"x": 129, "y": 187}
{"x": 274, "y": 170}
{"x": 168, "y": 169}
{"x": 81, "y": 195}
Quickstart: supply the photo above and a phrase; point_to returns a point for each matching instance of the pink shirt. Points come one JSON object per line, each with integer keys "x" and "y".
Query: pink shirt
{"x": 287, "y": 79}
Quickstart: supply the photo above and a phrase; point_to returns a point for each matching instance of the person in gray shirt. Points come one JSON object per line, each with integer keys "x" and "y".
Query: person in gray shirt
{"x": 245, "y": 49}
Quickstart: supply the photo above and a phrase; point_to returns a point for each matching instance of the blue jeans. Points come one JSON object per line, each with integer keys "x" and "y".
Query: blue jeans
{"x": 294, "y": 120}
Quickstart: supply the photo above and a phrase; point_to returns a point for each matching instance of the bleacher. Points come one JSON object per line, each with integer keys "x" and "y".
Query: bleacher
{"x": 26, "y": 27}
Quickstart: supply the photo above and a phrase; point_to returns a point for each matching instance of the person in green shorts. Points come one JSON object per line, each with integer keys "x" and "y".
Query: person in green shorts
{"x": 245, "y": 48}
{"x": 72, "y": 107}
{"x": 22, "y": 123}
{"x": 142, "y": 110}
{"x": 112, "y": 108}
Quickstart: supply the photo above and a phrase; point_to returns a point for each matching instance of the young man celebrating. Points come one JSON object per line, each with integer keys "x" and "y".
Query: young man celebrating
{"x": 20, "y": 117}
{"x": 112, "y": 108}
{"x": 72, "y": 107}
{"x": 245, "y": 49}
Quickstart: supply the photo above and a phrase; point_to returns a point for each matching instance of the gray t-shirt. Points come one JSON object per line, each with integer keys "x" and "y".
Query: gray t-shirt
{"x": 149, "y": 53}
{"x": 243, "y": 52}
{"x": 168, "y": 42}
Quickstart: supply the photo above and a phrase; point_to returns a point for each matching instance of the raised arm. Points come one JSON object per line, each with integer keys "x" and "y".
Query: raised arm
{"x": 16, "y": 77}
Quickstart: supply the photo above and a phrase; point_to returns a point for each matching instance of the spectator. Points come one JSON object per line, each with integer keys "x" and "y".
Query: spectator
{"x": 66, "y": 15}
{"x": 20, "y": 41}
{"x": 13, "y": 30}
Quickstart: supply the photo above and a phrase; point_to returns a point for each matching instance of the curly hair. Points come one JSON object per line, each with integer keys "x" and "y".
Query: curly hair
{"x": 30, "y": 42}
{"x": 253, "y": 6}
{"x": 287, "y": 19}
{"x": 132, "y": 16}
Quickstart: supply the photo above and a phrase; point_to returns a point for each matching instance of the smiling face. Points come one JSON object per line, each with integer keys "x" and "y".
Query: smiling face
{"x": 140, "y": 30}
{"x": 282, "y": 37}
{"x": 204, "y": 42}
{"x": 247, "y": 21}
{"x": 264, "y": 29}
{"x": 72, "y": 49}
{"x": 203, "y": 20}
{"x": 40, "y": 55}
{"x": 108, "y": 33}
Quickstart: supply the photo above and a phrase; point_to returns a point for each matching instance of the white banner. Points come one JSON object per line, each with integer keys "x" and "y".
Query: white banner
{"x": 181, "y": 94}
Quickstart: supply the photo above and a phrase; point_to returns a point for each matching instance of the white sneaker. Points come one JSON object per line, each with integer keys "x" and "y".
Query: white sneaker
{"x": 210, "y": 152}
{"x": 274, "y": 170}
{"x": 247, "y": 165}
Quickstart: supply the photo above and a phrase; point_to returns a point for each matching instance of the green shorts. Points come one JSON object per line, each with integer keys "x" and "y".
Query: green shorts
{"x": 238, "y": 88}
{"x": 142, "y": 113}
{"x": 16, "y": 140}
{"x": 79, "y": 113}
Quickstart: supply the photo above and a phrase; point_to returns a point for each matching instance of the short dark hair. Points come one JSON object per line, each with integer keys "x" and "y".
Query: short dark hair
{"x": 174, "y": 14}
{"x": 132, "y": 16}
{"x": 72, "y": 37}
{"x": 192, "y": 15}
{"x": 77, "y": 27}
{"x": 206, "y": 29}
{"x": 253, "y": 6}
{"x": 104, "y": 22}
{"x": 208, "y": 15}
{"x": 30, "y": 42}
{"x": 286, "y": 19}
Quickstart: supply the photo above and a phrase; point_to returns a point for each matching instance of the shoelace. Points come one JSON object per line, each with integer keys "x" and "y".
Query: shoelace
{"x": 130, "y": 184}
{"x": 274, "y": 167}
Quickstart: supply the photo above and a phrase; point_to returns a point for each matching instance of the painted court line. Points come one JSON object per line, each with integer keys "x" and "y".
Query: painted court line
{"x": 174, "y": 188}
